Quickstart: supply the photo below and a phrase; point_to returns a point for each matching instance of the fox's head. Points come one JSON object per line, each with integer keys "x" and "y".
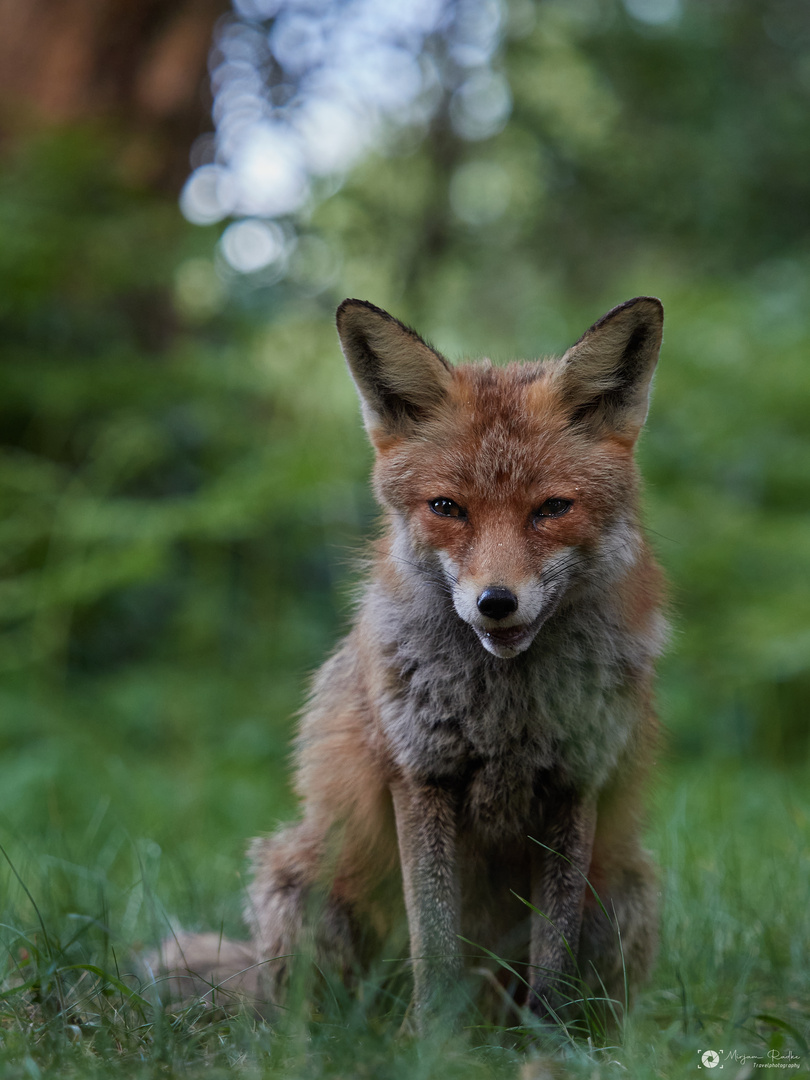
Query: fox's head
{"x": 515, "y": 484}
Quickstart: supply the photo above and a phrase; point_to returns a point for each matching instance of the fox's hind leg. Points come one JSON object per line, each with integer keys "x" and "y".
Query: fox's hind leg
{"x": 618, "y": 944}
{"x": 294, "y": 913}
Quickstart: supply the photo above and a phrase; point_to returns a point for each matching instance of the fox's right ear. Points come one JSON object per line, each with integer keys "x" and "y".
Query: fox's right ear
{"x": 400, "y": 379}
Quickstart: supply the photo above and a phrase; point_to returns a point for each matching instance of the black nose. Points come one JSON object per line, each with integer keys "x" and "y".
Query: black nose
{"x": 497, "y": 602}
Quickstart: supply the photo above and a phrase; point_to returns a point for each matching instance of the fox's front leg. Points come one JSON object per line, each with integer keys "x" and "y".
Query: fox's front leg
{"x": 426, "y": 830}
{"x": 558, "y": 894}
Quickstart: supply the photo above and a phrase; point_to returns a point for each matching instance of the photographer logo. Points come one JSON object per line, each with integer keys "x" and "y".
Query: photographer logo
{"x": 710, "y": 1058}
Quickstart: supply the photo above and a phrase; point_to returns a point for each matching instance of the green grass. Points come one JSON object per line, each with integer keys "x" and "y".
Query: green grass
{"x": 111, "y": 836}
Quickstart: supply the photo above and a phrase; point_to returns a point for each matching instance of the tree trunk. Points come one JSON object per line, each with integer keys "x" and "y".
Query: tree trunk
{"x": 138, "y": 67}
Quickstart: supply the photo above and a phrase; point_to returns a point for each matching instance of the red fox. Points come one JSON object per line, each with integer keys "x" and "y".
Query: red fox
{"x": 477, "y": 747}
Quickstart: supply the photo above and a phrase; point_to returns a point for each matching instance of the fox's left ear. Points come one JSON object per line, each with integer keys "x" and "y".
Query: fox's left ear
{"x": 605, "y": 378}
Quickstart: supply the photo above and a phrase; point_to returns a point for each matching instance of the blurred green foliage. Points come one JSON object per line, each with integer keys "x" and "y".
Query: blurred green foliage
{"x": 179, "y": 492}
{"x": 183, "y": 476}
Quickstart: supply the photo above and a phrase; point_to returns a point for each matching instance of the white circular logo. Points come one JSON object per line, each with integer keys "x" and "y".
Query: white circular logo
{"x": 710, "y": 1058}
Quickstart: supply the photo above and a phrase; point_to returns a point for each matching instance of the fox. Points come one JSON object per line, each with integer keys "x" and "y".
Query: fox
{"x": 473, "y": 759}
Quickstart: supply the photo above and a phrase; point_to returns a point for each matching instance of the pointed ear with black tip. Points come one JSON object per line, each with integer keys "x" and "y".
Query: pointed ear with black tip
{"x": 400, "y": 379}
{"x": 605, "y": 378}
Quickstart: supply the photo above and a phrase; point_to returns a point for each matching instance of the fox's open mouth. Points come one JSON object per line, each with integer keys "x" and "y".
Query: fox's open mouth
{"x": 508, "y": 641}
{"x": 511, "y": 636}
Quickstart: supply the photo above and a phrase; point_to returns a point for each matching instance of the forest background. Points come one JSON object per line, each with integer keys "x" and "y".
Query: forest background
{"x": 184, "y": 478}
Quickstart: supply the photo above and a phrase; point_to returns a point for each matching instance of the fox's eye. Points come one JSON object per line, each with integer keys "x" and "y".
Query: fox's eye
{"x": 447, "y": 508}
{"x": 553, "y": 508}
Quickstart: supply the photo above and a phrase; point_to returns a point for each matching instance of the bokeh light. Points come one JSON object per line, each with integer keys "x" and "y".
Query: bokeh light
{"x": 250, "y": 245}
{"x": 303, "y": 91}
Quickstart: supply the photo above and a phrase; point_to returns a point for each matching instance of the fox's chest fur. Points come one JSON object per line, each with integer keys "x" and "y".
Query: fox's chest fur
{"x": 494, "y": 728}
